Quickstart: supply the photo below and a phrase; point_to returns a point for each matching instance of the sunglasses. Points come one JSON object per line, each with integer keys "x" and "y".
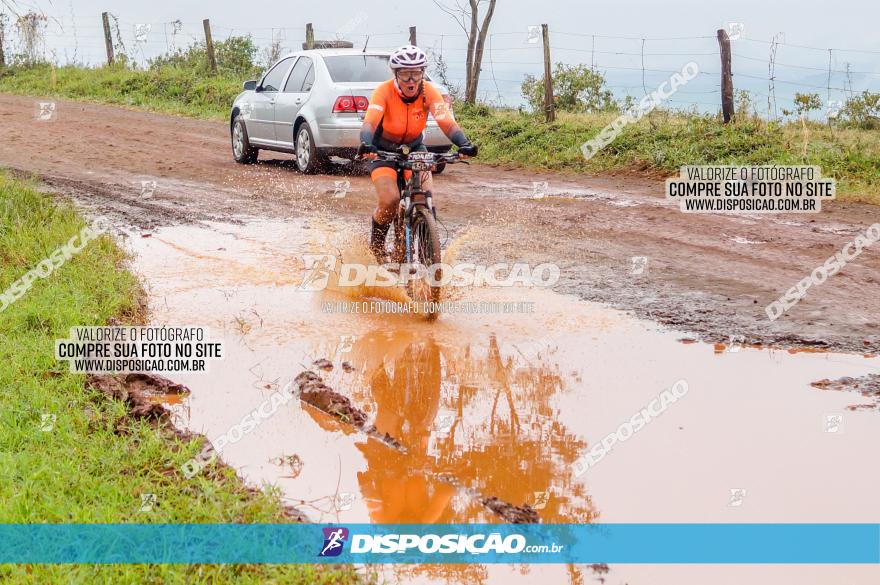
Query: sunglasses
{"x": 413, "y": 76}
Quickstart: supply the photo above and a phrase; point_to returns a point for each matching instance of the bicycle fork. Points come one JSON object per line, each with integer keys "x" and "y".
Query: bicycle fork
{"x": 409, "y": 208}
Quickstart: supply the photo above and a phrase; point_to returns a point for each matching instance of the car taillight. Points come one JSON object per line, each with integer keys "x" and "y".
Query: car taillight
{"x": 350, "y": 103}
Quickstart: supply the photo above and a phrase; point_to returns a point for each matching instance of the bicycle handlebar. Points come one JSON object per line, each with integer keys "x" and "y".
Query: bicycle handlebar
{"x": 401, "y": 158}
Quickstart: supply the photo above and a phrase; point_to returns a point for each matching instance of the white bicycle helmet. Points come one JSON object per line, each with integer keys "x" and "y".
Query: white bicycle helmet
{"x": 408, "y": 57}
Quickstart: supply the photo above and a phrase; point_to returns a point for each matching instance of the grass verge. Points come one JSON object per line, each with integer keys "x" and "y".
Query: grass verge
{"x": 169, "y": 90}
{"x": 68, "y": 454}
{"x": 657, "y": 145}
{"x": 662, "y": 142}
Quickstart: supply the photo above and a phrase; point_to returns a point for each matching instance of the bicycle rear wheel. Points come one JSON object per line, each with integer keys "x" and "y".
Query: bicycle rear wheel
{"x": 426, "y": 251}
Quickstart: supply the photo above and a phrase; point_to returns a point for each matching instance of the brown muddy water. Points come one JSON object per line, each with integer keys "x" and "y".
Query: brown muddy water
{"x": 502, "y": 404}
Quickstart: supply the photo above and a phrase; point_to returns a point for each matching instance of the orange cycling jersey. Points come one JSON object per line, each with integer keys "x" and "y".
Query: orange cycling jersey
{"x": 398, "y": 122}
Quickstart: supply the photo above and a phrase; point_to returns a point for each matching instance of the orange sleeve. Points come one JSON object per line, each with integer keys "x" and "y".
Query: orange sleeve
{"x": 376, "y": 109}
{"x": 438, "y": 107}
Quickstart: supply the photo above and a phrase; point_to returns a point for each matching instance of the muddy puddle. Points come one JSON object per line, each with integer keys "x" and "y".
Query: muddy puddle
{"x": 490, "y": 408}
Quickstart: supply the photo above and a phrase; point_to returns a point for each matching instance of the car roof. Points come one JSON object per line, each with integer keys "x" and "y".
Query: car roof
{"x": 336, "y": 52}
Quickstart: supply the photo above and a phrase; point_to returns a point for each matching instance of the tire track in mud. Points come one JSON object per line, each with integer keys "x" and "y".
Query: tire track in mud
{"x": 123, "y": 204}
{"x": 699, "y": 284}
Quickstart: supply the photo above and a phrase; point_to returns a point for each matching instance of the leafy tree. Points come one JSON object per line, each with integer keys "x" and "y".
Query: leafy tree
{"x": 576, "y": 88}
{"x": 862, "y": 111}
{"x": 235, "y": 56}
{"x": 804, "y": 103}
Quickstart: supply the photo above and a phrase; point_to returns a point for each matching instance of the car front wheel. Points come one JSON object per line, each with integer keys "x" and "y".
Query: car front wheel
{"x": 308, "y": 159}
{"x": 242, "y": 151}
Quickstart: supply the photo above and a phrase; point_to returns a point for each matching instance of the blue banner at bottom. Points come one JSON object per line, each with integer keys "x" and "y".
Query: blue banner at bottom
{"x": 441, "y": 543}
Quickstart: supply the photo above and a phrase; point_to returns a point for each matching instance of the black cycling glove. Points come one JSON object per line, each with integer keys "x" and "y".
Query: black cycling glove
{"x": 464, "y": 145}
{"x": 365, "y": 149}
{"x": 468, "y": 149}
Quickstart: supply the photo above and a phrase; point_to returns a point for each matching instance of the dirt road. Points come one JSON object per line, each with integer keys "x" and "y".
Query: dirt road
{"x": 712, "y": 275}
{"x": 485, "y": 414}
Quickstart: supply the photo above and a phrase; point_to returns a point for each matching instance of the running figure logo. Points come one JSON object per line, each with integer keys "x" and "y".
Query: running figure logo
{"x": 318, "y": 268}
{"x": 334, "y": 540}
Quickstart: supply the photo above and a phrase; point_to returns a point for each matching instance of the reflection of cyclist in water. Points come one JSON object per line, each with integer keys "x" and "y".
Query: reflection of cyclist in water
{"x": 396, "y": 485}
{"x": 513, "y": 447}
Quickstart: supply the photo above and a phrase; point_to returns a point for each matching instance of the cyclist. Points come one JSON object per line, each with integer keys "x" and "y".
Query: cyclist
{"x": 397, "y": 116}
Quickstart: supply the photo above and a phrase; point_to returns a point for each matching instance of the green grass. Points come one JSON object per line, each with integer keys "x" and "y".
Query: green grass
{"x": 663, "y": 142}
{"x": 170, "y": 90}
{"x": 96, "y": 462}
{"x": 658, "y": 144}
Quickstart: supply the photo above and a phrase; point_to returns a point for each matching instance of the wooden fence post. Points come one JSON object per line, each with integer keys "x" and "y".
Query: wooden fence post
{"x": 108, "y": 42}
{"x": 310, "y": 36}
{"x": 726, "y": 76}
{"x": 412, "y": 35}
{"x": 2, "y": 42}
{"x": 209, "y": 45}
{"x": 549, "y": 110}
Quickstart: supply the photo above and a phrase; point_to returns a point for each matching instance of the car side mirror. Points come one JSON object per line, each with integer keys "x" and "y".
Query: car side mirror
{"x": 250, "y": 85}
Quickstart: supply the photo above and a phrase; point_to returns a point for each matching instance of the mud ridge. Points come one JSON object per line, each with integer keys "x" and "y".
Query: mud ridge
{"x": 868, "y": 386}
{"x": 140, "y": 392}
{"x": 312, "y": 390}
{"x": 524, "y": 514}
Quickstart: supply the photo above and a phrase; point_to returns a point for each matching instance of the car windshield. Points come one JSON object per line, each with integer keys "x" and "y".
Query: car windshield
{"x": 367, "y": 68}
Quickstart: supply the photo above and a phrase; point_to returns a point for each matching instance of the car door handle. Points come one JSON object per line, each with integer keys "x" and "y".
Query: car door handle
{"x": 272, "y": 101}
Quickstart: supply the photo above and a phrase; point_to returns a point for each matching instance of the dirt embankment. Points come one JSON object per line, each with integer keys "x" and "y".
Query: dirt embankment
{"x": 145, "y": 397}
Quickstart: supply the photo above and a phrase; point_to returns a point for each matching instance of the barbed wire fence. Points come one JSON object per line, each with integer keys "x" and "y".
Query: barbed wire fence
{"x": 771, "y": 71}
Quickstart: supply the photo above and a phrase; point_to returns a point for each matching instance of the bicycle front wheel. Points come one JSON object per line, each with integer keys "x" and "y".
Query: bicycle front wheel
{"x": 426, "y": 251}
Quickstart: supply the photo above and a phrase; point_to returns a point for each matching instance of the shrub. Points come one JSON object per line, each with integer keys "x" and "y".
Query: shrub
{"x": 862, "y": 111}
{"x": 576, "y": 88}
{"x": 235, "y": 56}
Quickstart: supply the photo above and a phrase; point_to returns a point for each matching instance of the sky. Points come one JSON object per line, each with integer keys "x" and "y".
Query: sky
{"x": 675, "y": 32}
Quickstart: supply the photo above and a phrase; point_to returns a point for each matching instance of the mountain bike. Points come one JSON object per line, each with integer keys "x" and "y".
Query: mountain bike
{"x": 416, "y": 237}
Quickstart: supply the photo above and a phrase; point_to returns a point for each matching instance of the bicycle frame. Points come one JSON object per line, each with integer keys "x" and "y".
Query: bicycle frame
{"x": 409, "y": 190}
{"x": 412, "y": 195}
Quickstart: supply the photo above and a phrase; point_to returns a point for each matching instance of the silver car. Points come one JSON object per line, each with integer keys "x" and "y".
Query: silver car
{"x": 312, "y": 104}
